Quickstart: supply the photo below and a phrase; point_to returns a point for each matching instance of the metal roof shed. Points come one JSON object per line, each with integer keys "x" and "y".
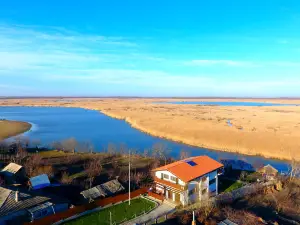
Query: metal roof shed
{"x": 39, "y": 182}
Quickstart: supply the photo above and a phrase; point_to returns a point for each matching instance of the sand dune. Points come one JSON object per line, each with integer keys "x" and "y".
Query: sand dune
{"x": 271, "y": 131}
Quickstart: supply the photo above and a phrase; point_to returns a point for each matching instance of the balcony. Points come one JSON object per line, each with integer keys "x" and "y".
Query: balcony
{"x": 169, "y": 184}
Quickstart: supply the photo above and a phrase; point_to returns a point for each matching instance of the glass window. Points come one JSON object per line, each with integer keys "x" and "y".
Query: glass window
{"x": 193, "y": 191}
{"x": 166, "y": 176}
{"x": 212, "y": 181}
{"x": 173, "y": 179}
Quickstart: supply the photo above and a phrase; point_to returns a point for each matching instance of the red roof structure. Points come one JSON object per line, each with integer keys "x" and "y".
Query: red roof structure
{"x": 191, "y": 168}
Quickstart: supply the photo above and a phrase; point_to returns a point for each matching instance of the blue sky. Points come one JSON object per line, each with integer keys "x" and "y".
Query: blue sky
{"x": 150, "y": 48}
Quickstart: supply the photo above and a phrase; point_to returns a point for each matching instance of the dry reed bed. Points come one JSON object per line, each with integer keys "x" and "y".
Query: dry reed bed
{"x": 271, "y": 131}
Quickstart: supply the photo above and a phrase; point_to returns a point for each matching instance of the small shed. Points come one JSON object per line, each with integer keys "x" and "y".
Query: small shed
{"x": 103, "y": 190}
{"x": 227, "y": 222}
{"x": 39, "y": 182}
{"x": 22, "y": 206}
{"x": 268, "y": 171}
{"x": 14, "y": 173}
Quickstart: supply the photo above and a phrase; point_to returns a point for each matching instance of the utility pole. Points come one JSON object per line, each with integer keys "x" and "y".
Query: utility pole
{"x": 193, "y": 222}
{"x": 129, "y": 178}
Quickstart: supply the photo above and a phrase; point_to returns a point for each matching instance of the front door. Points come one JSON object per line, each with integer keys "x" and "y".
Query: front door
{"x": 177, "y": 197}
{"x": 170, "y": 195}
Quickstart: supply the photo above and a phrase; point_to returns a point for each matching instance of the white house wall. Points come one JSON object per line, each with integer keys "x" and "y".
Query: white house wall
{"x": 194, "y": 197}
{"x": 213, "y": 175}
{"x": 197, "y": 182}
{"x": 158, "y": 175}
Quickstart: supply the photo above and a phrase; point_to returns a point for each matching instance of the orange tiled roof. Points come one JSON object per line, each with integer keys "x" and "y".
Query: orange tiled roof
{"x": 186, "y": 172}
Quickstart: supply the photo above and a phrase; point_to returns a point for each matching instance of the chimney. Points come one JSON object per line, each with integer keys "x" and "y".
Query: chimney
{"x": 17, "y": 196}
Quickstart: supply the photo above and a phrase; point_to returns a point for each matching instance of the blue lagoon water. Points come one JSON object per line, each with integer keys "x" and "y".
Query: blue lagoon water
{"x": 55, "y": 124}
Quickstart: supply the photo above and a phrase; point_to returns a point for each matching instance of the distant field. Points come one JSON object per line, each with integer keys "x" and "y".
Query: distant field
{"x": 269, "y": 131}
{"x": 12, "y": 128}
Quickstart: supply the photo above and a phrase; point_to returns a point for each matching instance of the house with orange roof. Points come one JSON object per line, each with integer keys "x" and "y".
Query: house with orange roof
{"x": 189, "y": 180}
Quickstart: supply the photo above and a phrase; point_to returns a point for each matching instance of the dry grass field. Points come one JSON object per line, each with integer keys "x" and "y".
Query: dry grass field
{"x": 12, "y": 128}
{"x": 271, "y": 131}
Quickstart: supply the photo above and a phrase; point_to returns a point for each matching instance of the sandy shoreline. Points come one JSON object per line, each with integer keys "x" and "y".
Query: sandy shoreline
{"x": 10, "y": 128}
{"x": 272, "y": 132}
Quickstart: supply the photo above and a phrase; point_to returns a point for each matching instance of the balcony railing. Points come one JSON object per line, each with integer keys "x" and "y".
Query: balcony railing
{"x": 170, "y": 184}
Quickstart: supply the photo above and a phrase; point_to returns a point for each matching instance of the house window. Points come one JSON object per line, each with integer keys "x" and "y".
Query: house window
{"x": 204, "y": 191}
{"x": 193, "y": 191}
{"x": 173, "y": 179}
{"x": 212, "y": 181}
{"x": 166, "y": 176}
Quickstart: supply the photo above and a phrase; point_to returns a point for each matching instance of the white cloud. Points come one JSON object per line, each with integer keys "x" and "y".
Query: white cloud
{"x": 283, "y": 41}
{"x": 222, "y": 62}
{"x": 60, "y": 56}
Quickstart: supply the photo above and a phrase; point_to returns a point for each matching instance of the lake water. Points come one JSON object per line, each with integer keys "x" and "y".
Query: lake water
{"x": 226, "y": 103}
{"x": 55, "y": 124}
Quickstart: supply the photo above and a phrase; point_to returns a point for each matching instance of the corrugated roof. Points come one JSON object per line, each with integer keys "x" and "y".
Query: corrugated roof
{"x": 39, "y": 207}
{"x": 227, "y": 222}
{"x": 183, "y": 169}
{"x": 92, "y": 193}
{"x": 112, "y": 187}
{"x": 268, "y": 169}
{"x": 4, "y": 193}
{"x": 25, "y": 201}
{"x": 104, "y": 190}
{"x": 12, "y": 168}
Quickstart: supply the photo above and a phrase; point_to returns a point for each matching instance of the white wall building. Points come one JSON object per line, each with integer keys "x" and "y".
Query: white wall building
{"x": 188, "y": 181}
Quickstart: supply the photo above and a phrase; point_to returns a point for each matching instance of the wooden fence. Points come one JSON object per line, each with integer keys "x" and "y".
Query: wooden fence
{"x": 156, "y": 196}
{"x": 80, "y": 209}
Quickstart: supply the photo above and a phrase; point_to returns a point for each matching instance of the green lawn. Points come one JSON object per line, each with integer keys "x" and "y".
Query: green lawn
{"x": 120, "y": 213}
{"x": 234, "y": 186}
{"x": 226, "y": 185}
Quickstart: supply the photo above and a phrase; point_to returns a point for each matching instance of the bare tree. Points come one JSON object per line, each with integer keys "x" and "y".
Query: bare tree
{"x": 92, "y": 168}
{"x": 184, "y": 154}
{"x": 240, "y": 216}
{"x": 137, "y": 178}
{"x": 111, "y": 149}
{"x": 294, "y": 169}
{"x": 122, "y": 149}
{"x": 32, "y": 163}
{"x": 110, "y": 173}
{"x": 86, "y": 147}
{"x": 57, "y": 145}
{"x": 43, "y": 170}
{"x": 160, "y": 150}
{"x": 70, "y": 145}
{"x": 65, "y": 178}
{"x": 124, "y": 177}
{"x": 146, "y": 153}
{"x": 20, "y": 155}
